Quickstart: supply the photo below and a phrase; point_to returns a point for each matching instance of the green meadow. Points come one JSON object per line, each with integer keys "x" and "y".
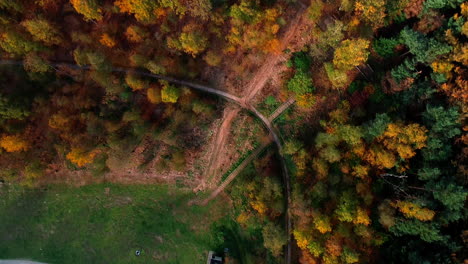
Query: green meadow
{"x": 107, "y": 223}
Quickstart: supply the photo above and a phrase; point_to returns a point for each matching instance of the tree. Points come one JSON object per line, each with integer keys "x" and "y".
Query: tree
{"x": 346, "y": 208}
{"x": 376, "y": 127}
{"x": 10, "y": 109}
{"x": 212, "y": 58}
{"x": 88, "y": 8}
{"x": 35, "y": 63}
{"x": 322, "y": 223}
{"x": 154, "y": 95}
{"x": 404, "y": 139}
{"x": 81, "y": 157}
{"x": 11, "y": 5}
{"x": 385, "y": 47}
{"x": 136, "y": 34}
{"x": 17, "y": 44}
{"x": 428, "y": 232}
{"x": 373, "y": 11}
{"x": 338, "y": 78}
{"x": 413, "y": 210}
{"x": 274, "y": 238}
{"x": 349, "y": 256}
{"x": 191, "y": 41}
{"x": 43, "y": 30}
{"x": 13, "y": 143}
{"x": 424, "y": 49}
{"x": 144, "y": 10}
{"x": 169, "y": 93}
{"x": 351, "y": 53}
{"x": 136, "y": 83}
{"x": 300, "y": 83}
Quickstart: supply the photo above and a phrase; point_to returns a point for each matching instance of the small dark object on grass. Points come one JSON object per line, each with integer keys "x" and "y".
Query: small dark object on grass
{"x": 137, "y": 253}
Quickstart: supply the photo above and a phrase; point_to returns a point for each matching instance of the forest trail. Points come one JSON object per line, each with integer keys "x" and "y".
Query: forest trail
{"x": 267, "y": 70}
{"x": 216, "y": 160}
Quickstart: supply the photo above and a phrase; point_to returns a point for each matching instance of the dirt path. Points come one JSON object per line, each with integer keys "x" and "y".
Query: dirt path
{"x": 267, "y": 70}
{"x": 216, "y": 160}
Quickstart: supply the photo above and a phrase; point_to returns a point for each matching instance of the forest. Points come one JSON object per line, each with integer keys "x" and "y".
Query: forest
{"x": 343, "y": 138}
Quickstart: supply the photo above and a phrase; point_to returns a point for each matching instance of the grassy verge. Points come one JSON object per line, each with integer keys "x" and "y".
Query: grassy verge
{"x": 105, "y": 223}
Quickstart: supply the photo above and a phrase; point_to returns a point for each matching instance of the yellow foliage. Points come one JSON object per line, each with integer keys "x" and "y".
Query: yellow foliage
{"x": 243, "y": 218}
{"x": 373, "y": 11}
{"x": 464, "y": 9}
{"x": 379, "y": 157}
{"x": 107, "y": 40}
{"x": 142, "y": 9}
{"x": 442, "y": 67}
{"x": 259, "y": 206}
{"x": 135, "y": 83}
{"x": 301, "y": 239}
{"x": 351, "y": 53}
{"x": 13, "y": 143}
{"x": 362, "y": 217}
{"x": 322, "y": 224}
{"x": 81, "y": 157}
{"x": 306, "y": 100}
{"x": 404, "y": 139}
{"x": 360, "y": 171}
{"x": 412, "y": 210}
{"x": 88, "y": 8}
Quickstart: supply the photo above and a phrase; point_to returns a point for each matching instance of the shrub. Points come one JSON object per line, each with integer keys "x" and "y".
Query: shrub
{"x": 300, "y": 83}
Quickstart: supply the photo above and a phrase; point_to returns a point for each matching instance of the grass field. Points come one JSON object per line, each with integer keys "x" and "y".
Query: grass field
{"x": 105, "y": 223}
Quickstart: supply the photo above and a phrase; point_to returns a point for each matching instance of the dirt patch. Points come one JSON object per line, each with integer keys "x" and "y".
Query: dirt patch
{"x": 217, "y": 157}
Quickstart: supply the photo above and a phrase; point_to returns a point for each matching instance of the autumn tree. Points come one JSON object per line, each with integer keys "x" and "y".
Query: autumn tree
{"x": 144, "y": 10}
{"x": 274, "y": 238}
{"x": 81, "y": 157}
{"x": 107, "y": 40}
{"x": 413, "y": 210}
{"x": 169, "y": 93}
{"x": 351, "y": 53}
{"x": 136, "y": 34}
{"x": 43, "y": 30}
{"x": 17, "y": 44}
{"x": 35, "y": 63}
{"x": 13, "y": 143}
{"x": 191, "y": 40}
{"x": 372, "y": 11}
{"x": 88, "y": 8}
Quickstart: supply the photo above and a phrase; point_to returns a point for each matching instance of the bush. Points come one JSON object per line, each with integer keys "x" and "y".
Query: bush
{"x": 300, "y": 83}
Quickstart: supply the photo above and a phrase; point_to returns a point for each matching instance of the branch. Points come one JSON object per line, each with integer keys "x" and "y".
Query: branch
{"x": 393, "y": 175}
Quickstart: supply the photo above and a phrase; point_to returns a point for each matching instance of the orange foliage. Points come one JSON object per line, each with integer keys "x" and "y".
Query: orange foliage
{"x": 81, "y": 157}
{"x": 333, "y": 246}
{"x": 301, "y": 240}
{"x": 259, "y": 206}
{"x": 107, "y": 40}
{"x": 307, "y": 258}
{"x": 13, "y": 143}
